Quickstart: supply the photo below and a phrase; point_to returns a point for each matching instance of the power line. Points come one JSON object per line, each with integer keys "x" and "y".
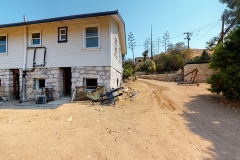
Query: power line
{"x": 197, "y": 29}
{"x": 207, "y": 32}
{"x": 205, "y": 26}
{"x": 177, "y": 36}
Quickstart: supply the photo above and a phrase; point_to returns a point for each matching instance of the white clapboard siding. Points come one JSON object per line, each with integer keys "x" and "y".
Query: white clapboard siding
{"x": 71, "y": 53}
{"x": 116, "y": 60}
{"x": 14, "y": 58}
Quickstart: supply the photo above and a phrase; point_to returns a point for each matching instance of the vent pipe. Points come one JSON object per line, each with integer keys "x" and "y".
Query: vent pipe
{"x": 24, "y": 18}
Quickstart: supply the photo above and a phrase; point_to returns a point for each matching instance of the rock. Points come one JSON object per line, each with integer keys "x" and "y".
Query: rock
{"x": 69, "y": 119}
{"x": 126, "y": 90}
{"x": 179, "y": 71}
{"x": 118, "y": 99}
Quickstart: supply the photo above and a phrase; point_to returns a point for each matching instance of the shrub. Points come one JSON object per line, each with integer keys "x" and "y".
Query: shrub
{"x": 226, "y": 62}
{"x": 128, "y": 71}
{"x": 204, "y": 58}
{"x": 147, "y": 66}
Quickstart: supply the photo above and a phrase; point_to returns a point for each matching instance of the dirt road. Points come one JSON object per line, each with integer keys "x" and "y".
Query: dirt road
{"x": 164, "y": 121}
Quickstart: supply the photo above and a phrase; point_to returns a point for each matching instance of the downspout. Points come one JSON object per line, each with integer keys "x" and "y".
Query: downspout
{"x": 24, "y": 63}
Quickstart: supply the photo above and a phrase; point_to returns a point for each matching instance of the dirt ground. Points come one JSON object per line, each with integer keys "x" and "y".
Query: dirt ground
{"x": 165, "y": 121}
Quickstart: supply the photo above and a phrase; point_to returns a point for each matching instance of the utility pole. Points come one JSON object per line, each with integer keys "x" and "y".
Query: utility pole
{"x": 222, "y": 32}
{"x": 151, "y": 43}
{"x": 188, "y": 37}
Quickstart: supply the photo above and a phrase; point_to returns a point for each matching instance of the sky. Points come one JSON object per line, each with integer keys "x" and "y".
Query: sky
{"x": 202, "y": 18}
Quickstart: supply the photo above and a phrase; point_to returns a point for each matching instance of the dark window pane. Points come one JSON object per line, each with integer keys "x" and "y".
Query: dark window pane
{"x": 3, "y": 39}
{"x": 3, "y": 49}
{"x": 41, "y": 83}
{"x": 36, "y": 41}
{"x": 63, "y": 37}
{"x": 36, "y": 35}
{"x": 91, "y": 31}
{"x": 91, "y": 82}
{"x": 91, "y": 42}
{"x": 63, "y": 31}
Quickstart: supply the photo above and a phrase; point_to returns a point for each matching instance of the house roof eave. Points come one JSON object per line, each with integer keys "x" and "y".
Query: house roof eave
{"x": 56, "y": 19}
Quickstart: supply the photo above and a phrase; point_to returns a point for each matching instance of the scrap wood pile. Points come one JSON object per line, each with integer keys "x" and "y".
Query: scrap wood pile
{"x": 105, "y": 97}
{"x": 130, "y": 93}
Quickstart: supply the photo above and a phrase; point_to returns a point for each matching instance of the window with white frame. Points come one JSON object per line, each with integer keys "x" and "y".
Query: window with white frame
{"x": 92, "y": 36}
{"x": 62, "y": 34}
{"x": 36, "y": 38}
{"x": 3, "y": 44}
{"x": 39, "y": 83}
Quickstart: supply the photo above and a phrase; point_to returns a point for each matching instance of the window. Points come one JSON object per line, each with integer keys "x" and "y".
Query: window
{"x": 3, "y": 44}
{"x": 39, "y": 83}
{"x": 62, "y": 34}
{"x": 120, "y": 54}
{"x": 116, "y": 46}
{"x": 36, "y": 38}
{"x": 92, "y": 36}
{"x": 90, "y": 84}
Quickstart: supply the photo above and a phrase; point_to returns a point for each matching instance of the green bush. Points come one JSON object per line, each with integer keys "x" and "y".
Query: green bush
{"x": 150, "y": 66}
{"x": 169, "y": 62}
{"x": 225, "y": 62}
{"x": 204, "y": 58}
{"x": 147, "y": 66}
{"x": 128, "y": 71}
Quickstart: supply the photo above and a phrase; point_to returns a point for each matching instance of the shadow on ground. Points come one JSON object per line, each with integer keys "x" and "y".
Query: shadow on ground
{"x": 216, "y": 123}
{"x": 14, "y": 104}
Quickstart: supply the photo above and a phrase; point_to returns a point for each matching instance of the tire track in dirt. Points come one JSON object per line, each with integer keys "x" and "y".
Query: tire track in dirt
{"x": 162, "y": 100}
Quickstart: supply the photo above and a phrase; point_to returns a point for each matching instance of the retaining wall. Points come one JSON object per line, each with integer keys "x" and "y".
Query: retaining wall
{"x": 203, "y": 72}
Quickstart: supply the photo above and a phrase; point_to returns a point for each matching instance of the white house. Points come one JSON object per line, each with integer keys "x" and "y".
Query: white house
{"x": 61, "y": 52}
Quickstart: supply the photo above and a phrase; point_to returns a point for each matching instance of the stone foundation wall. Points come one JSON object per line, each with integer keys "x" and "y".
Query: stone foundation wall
{"x": 6, "y": 88}
{"x": 203, "y": 72}
{"x": 102, "y": 74}
{"x": 116, "y": 78}
{"x": 106, "y": 76}
{"x": 53, "y": 78}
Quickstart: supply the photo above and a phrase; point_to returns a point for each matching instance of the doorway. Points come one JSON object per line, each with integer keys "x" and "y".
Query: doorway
{"x": 16, "y": 88}
{"x": 67, "y": 83}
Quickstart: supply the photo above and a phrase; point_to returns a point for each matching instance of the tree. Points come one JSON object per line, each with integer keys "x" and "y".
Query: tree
{"x": 165, "y": 40}
{"x": 128, "y": 70}
{"x": 158, "y": 41}
{"x": 179, "y": 48}
{"x": 146, "y": 44}
{"x": 231, "y": 18}
{"x": 204, "y": 58}
{"x": 144, "y": 54}
{"x": 131, "y": 44}
{"x": 146, "y": 66}
{"x": 226, "y": 63}
{"x": 168, "y": 62}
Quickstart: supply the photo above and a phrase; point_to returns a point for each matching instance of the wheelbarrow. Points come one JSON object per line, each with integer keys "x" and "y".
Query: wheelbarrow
{"x": 98, "y": 95}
